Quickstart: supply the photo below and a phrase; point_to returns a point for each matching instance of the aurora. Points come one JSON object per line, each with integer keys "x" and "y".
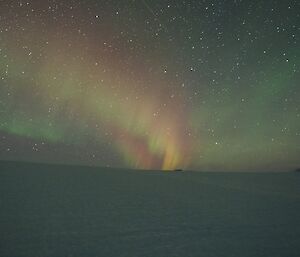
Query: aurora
{"x": 134, "y": 85}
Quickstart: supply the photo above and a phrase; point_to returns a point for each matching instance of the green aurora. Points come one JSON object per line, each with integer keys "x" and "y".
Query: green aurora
{"x": 159, "y": 89}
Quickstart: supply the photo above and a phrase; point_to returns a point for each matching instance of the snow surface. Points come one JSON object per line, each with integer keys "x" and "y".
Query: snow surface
{"x": 61, "y": 211}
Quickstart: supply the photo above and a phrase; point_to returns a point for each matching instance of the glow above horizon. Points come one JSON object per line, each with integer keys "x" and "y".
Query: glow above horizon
{"x": 122, "y": 77}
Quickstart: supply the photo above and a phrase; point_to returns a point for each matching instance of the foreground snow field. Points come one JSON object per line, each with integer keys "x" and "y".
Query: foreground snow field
{"x": 60, "y": 211}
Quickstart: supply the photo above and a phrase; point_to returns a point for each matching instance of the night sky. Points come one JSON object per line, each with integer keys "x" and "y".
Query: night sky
{"x": 200, "y": 85}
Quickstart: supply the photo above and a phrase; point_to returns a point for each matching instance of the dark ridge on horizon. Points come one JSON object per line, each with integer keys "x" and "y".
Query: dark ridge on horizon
{"x": 102, "y": 168}
{"x": 83, "y": 166}
{"x": 36, "y": 163}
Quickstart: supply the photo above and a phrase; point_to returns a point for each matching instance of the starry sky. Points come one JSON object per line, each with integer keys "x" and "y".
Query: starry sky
{"x": 199, "y": 85}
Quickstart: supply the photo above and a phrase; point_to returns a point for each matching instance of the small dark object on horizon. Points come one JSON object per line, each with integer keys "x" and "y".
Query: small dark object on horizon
{"x": 297, "y": 170}
{"x": 178, "y": 170}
